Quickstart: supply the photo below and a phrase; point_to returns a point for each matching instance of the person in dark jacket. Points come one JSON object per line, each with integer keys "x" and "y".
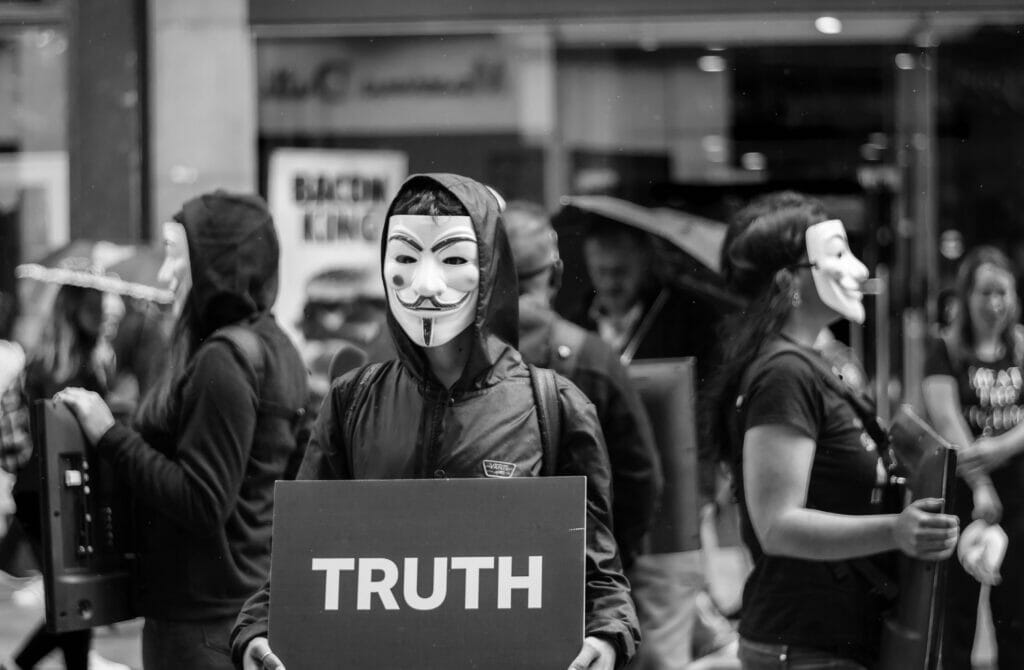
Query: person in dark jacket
{"x": 453, "y": 313}
{"x": 549, "y": 341}
{"x": 202, "y": 456}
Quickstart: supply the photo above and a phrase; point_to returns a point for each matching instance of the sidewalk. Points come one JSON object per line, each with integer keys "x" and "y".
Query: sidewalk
{"x": 119, "y": 643}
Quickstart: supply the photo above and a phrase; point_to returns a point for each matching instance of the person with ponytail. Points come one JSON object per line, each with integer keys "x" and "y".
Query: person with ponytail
{"x": 808, "y": 474}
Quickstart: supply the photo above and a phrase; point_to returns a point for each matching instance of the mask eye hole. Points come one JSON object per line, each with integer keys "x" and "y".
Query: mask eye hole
{"x": 404, "y": 259}
{"x": 455, "y": 260}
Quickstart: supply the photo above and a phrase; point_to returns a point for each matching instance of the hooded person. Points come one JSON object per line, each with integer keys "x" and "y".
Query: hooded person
{"x": 202, "y": 455}
{"x": 453, "y": 313}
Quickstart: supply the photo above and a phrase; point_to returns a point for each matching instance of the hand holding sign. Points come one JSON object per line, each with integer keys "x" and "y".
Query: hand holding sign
{"x": 596, "y": 654}
{"x": 259, "y": 657}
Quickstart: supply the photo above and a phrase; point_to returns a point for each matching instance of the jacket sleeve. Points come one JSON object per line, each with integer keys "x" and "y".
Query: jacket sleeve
{"x": 325, "y": 458}
{"x": 198, "y": 485}
{"x": 637, "y": 477}
{"x": 610, "y": 613}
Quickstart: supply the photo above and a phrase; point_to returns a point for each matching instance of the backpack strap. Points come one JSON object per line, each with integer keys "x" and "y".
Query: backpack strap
{"x": 356, "y": 394}
{"x": 549, "y": 415}
{"x": 882, "y": 585}
{"x": 248, "y": 346}
{"x": 831, "y": 377}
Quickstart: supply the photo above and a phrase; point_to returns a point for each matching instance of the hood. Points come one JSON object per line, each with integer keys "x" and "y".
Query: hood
{"x": 233, "y": 254}
{"x": 496, "y": 322}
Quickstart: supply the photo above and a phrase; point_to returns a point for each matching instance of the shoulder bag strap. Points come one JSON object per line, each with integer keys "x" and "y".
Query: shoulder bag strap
{"x": 248, "y": 345}
{"x": 549, "y": 415}
{"x": 356, "y": 394}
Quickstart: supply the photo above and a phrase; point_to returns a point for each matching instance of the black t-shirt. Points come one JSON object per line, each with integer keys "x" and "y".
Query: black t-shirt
{"x": 822, "y": 604}
{"x": 990, "y": 399}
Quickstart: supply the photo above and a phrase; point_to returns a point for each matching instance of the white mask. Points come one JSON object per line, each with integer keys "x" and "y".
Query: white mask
{"x": 176, "y": 270}
{"x": 838, "y": 274}
{"x": 432, "y": 276}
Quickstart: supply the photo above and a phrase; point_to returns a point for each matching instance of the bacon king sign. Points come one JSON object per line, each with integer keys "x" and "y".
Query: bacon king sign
{"x": 450, "y": 573}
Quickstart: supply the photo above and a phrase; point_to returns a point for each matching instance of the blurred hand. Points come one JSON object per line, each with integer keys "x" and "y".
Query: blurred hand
{"x": 922, "y": 532}
{"x": 969, "y": 463}
{"x": 988, "y": 455}
{"x": 90, "y": 409}
{"x": 982, "y": 550}
{"x": 987, "y": 505}
{"x": 258, "y": 656}
{"x": 596, "y": 654}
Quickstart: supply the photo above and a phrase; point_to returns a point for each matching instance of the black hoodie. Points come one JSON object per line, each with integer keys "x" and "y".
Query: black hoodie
{"x": 408, "y": 425}
{"x": 203, "y": 475}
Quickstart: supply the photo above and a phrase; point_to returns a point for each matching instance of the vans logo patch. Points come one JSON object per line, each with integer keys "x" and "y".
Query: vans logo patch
{"x": 499, "y": 469}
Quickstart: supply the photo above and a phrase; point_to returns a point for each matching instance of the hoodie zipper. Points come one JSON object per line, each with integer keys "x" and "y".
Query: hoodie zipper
{"x": 432, "y": 448}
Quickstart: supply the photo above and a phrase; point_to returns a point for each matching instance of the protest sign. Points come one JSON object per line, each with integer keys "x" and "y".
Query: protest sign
{"x": 447, "y": 573}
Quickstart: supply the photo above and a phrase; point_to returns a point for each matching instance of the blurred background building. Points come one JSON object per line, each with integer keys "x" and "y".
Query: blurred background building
{"x": 907, "y": 116}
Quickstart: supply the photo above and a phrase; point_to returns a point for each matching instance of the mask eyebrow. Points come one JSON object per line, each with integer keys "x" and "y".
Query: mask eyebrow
{"x": 408, "y": 240}
{"x": 444, "y": 244}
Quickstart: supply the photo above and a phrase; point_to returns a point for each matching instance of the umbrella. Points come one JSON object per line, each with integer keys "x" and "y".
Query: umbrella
{"x": 126, "y": 270}
{"x": 699, "y": 237}
{"x": 688, "y": 246}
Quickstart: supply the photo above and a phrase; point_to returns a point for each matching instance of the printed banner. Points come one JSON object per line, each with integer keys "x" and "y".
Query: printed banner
{"x": 447, "y": 573}
{"x": 329, "y": 208}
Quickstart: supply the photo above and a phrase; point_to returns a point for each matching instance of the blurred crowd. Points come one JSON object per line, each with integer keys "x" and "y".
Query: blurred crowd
{"x": 201, "y": 402}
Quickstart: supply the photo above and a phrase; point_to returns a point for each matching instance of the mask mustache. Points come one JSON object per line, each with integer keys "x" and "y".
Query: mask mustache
{"x": 430, "y": 303}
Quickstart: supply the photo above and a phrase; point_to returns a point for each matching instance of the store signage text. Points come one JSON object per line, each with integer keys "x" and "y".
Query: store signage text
{"x": 332, "y": 81}
{"x": 334, "y": 206}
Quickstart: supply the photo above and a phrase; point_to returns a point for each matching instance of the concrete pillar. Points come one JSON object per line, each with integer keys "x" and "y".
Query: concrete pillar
{"x": 106, "y": 119}
{"x": 202, "y": 101}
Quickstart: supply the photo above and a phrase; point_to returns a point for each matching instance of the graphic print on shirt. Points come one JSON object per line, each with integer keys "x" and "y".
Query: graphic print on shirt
{"x": 998, "y": 393}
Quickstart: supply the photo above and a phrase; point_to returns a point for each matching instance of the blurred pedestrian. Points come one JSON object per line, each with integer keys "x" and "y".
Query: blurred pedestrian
{"x": 972, "y": 390}
{"x": 207, "y": 442}
{"x": 452, "y": 311}
{"x": 632, "y": 310}
{"x": 72, "y": 351}
{"x": 549, "y": 341}
{"x": 808, "y": 468}
{"x": 665, "y": 595}
{"x": 640, "y": 316}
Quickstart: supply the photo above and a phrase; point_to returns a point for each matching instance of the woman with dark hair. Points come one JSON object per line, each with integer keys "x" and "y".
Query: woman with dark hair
{"x": 809, "y": 475}
{"x": 972, "y": 390}
{"x": 208, "y": 440}
{"x": 71, "y": 351}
